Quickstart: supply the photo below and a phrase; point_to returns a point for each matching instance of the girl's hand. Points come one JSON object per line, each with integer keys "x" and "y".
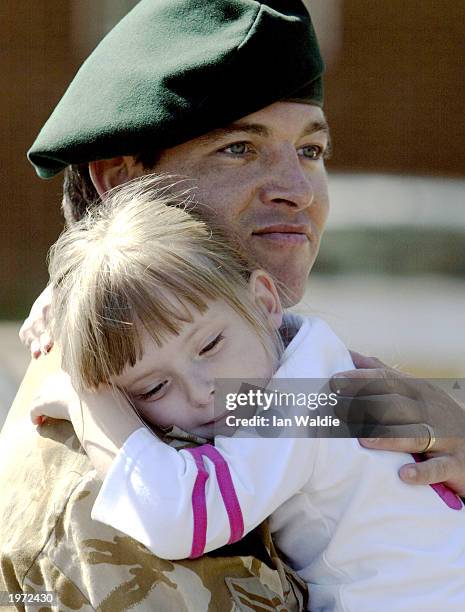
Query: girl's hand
{"x": 33, "y": 333}
{"x": 103, "y": 421}
{"x": 55, "y": 399}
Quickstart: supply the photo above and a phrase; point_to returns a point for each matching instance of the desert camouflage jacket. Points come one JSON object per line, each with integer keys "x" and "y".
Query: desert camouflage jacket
{"x": 49, "y": 542}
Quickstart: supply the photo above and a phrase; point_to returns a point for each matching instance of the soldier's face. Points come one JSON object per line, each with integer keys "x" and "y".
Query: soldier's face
{"x": 263, "y": 179}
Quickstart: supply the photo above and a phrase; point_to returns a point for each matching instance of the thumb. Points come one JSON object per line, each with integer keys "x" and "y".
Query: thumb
{"x": 364, "y": 362}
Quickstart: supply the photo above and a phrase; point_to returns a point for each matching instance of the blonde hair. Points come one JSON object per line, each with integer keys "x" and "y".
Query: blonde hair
{"x": 115, "y": 273}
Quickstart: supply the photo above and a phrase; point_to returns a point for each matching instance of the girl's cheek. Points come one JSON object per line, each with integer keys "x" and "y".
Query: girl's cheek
{"x": 151, "y": 414}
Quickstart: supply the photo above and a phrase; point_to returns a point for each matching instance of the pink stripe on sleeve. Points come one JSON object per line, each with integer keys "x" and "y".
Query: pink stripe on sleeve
{"x": 199, "y": 506}
{"x": 228, "y": 493}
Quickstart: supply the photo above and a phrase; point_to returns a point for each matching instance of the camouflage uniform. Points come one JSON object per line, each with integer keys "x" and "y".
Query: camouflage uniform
{"x": 189, "y": 55}
{"x": 49, "y": 542}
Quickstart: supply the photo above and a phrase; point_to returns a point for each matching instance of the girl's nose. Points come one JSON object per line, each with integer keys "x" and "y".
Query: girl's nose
{"x": 201, "y": 392}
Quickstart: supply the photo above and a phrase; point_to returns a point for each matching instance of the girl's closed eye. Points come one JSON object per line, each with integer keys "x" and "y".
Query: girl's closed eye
{"x": 157, "y": 391}
{"x": 209, "y": 348}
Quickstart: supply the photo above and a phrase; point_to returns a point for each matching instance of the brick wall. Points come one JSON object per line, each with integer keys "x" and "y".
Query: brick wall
{"x": 395, "y": 91}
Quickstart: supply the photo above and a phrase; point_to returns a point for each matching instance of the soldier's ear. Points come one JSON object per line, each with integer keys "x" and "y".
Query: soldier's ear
{"x": 108, "y": 173}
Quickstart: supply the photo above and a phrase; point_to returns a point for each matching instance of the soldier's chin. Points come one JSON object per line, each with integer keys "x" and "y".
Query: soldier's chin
{"x": 291, "y": 291}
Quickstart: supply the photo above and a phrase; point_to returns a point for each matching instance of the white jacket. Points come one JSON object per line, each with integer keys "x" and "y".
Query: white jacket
{"x": 361, "y": 538}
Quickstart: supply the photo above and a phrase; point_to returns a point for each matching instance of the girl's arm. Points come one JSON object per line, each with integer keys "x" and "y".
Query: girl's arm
{"x": 182, "y": 503}
{"x": 102, "y": 421}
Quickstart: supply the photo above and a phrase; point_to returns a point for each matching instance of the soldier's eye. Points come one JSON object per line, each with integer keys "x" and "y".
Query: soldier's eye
{"x": 311, "y": 152}
{"x": 237, "y": 148}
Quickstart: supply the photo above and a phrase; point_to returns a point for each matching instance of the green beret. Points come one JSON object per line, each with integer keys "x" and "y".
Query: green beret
{"x": 172, "y": 70}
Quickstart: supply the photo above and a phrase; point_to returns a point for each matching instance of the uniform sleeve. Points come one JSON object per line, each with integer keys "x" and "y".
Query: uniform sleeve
{"x": 183, "y": 503}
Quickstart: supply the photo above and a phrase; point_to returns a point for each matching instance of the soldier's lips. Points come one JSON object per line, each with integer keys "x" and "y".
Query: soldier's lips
{"x": 284, "y": 235}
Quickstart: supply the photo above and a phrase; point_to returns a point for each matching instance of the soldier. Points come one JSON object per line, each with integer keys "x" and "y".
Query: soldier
{"x": 227, "y": 93}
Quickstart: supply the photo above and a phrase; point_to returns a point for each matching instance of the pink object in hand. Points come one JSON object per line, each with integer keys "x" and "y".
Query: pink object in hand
{"x": 449, "y": 497}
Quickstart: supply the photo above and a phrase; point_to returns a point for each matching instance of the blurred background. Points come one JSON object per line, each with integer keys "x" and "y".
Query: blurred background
{"x": 391, "y": 273}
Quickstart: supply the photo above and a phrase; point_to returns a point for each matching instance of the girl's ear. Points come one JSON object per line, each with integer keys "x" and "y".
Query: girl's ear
{"x": 108, "y": 173}
{"x": 265, "y": 295}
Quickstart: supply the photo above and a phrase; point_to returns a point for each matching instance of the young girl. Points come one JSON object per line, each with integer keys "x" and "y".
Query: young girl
{"x": 151, "y": 305}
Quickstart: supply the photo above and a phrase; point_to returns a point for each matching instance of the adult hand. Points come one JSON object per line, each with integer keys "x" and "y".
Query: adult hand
{"x": 33, "y": 333}
{"x": 407, "y": 412}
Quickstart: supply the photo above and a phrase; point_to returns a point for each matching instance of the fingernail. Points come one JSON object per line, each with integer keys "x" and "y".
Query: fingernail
{"x": 339, "y": 384}
{"x": 371, "y": 440}
{"x": 410, "y": 473}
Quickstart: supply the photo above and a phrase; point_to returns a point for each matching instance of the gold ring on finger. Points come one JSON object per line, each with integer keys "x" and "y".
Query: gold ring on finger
{"x": 431, "y": 438}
